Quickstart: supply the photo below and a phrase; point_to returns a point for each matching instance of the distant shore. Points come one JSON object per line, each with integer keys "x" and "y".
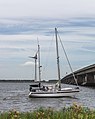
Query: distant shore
{"x": 25, "y": 81}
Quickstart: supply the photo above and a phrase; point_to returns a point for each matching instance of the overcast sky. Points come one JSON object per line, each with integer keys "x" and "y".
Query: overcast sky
{"x": 22, "y": 22}
{"x": 47, "y": 8}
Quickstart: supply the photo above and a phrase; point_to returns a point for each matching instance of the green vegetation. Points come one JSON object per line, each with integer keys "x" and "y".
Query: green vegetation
{"x": 73, "y": 112}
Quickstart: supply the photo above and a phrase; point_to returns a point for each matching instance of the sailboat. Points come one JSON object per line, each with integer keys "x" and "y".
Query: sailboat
{"x": 37, "y": 90}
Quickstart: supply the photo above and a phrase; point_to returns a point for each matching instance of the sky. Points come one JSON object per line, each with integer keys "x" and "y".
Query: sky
{"x": 22, "y": 22}
{"x": 46, "y": 8}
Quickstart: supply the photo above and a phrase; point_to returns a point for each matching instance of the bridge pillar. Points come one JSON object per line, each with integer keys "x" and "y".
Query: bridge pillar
{"x": 90, "y": 78}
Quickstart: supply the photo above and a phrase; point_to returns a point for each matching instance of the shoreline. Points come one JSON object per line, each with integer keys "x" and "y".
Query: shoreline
{"x": 73, "y": 112}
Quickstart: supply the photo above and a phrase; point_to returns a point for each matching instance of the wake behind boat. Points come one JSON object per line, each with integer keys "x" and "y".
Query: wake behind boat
{"x": 38, "y": 90}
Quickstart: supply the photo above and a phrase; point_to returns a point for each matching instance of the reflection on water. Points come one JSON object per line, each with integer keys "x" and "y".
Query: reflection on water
{"x": 15, "y": 96}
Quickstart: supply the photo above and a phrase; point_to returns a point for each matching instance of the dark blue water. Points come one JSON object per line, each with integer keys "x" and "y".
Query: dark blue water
{"x": 15, "y": 96}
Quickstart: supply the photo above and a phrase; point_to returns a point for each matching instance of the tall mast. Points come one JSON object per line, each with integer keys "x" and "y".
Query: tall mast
{"x": 35, "y": 67}
{"x": 57, "y": 51}
{"x": 39, "y": 63}
{"x": 35, "y": 57}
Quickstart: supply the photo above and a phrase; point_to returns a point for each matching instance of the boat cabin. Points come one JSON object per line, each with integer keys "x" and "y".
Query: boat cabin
{"x": 35, "y": 86}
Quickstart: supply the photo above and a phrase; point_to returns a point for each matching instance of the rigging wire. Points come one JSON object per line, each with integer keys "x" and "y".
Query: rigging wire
{"x": 48, "y": 55}
{"x": 68, "y": 60}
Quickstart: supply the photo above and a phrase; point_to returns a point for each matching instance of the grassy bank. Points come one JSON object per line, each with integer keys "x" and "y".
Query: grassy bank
{"x": 73, "y": 112}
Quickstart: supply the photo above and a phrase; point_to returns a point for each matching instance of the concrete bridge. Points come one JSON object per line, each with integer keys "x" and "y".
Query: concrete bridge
{"x": 84, "y": 76}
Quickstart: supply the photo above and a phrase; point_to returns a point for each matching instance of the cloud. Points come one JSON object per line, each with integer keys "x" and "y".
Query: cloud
{"x": 18, "y": 43}
{"x": 46, "y": 8}
{"x": 28, "y": 63}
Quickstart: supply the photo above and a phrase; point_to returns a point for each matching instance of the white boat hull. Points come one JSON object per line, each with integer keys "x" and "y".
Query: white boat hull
{"x": 53, "y": 94}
